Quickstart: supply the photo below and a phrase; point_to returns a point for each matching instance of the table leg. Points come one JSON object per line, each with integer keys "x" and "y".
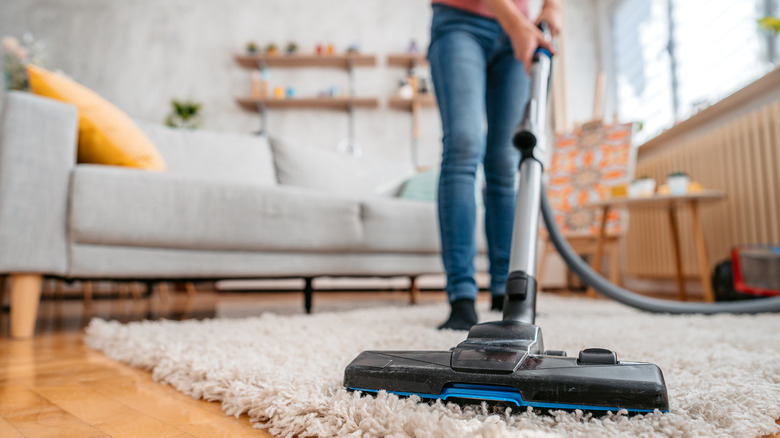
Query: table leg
{"x": 677, "y": 255}
{"x": 597, "y": 258}
{"x": 701, "y": 253}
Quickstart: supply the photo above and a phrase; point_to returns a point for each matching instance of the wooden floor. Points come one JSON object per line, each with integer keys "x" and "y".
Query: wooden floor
{"x": 54, "y": 386}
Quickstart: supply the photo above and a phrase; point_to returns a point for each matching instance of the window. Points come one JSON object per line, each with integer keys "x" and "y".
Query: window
{"x": 674, "y": 57}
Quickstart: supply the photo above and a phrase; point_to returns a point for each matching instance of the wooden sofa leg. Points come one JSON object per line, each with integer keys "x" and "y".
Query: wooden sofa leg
{"x": 414, "y": 291}
{"x": 25, "y": 296}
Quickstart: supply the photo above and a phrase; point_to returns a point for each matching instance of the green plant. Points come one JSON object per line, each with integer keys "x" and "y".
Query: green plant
{"x": 16, "y": 56}
{"x": 678, "y": 173}
{"x": 184, "y": 114}
{"x": 769, "y": 23}
{"x": 252, "y": 47}
{"x": 292, "y": 48}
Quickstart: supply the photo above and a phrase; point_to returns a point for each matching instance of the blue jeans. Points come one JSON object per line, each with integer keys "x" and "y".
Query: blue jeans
{"x": 477, "y": 79}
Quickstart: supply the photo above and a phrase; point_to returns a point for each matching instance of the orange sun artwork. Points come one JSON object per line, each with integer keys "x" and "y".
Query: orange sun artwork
{"x": 586, "y": 164}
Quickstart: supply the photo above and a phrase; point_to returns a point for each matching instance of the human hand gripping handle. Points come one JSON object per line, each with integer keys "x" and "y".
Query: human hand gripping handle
{"x": 546, "y": 31}
{"x": 530, "y": 40}
{"x": 524, "y": 35}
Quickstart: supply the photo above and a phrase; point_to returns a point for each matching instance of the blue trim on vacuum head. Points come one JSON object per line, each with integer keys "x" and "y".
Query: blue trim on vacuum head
{"x": 502, "y": 394}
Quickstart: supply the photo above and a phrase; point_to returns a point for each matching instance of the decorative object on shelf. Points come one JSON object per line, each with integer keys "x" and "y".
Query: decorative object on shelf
{"x": 642, "y": 187}
{"x": 678, "y": 183}
{"x": 426, "y": 85}
{"x": 353, "y": 48}
{"x": 271, "y": 50}
{"x": 252, "y": 47}
{"x": 185, "y": 114}
{"x": 412, "y": 49}
{"x": 331, "y": 49}
{"x": 618, "y": 191}
{"x": 405, "y": 89}
{"x": 16, "y": 56}
{"x": 259, "y": 84}
{"x": 336, "y": 91}
{"x": 278, "y": 92}
{"x": 292, "y": 48}
{"x": 318, "y": 49}
{"x": 289, "y": 92}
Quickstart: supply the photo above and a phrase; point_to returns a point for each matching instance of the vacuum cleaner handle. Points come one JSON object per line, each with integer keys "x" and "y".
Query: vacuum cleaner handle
{"x": 530, "y": 133}
{"x": 530, "y": 139}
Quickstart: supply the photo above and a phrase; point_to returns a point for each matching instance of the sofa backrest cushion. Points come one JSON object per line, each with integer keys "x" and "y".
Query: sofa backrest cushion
{"x": 106, "y": 134}
{"x": 326, "y": 170}
{"x": 214, "y": 155}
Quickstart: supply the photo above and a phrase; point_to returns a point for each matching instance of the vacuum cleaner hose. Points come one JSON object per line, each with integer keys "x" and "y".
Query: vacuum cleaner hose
{"x": 609, "y": 290}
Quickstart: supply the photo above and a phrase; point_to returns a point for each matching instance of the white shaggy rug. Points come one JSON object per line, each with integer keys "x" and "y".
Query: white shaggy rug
{"x": 722, "y": 372}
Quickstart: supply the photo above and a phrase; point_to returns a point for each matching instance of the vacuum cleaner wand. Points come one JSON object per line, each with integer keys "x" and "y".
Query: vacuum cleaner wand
{"x": 505, "y": 361}
{"x": 529, "y": 138}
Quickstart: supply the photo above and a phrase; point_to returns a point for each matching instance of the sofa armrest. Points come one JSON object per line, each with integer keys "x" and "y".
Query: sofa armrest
{"x": 37, "y": 153}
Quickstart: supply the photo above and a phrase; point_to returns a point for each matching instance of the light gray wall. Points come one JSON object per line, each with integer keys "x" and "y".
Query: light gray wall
{"x": 141, "y": 53}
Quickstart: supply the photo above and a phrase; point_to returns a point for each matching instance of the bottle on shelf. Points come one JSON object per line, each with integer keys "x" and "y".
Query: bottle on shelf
{"x": 259, "y": 88}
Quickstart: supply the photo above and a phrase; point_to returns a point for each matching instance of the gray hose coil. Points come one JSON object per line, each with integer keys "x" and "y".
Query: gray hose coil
{"x": 617, "y": 293}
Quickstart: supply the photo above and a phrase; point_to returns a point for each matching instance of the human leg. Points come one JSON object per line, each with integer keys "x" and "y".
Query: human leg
{"x": 458, "y": 60}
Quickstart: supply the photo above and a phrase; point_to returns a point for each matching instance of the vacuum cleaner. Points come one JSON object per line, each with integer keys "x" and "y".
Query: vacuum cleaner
{"x": 505, "y": 361}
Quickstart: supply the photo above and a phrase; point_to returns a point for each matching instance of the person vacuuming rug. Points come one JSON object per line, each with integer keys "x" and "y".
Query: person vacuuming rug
{"x": 480, "y": 54}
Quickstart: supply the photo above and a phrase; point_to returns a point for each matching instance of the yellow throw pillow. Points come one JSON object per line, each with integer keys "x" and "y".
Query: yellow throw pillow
{"x": 106, "y": 134}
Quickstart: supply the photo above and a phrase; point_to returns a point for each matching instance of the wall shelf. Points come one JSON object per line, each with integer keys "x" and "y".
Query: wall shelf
{"x": 330, "y": 103}
{"x": 346, "y": 62}
{"x": 423, "y": 100}
{"x": 300, "y": 61}
{"x": 406, "y": 60}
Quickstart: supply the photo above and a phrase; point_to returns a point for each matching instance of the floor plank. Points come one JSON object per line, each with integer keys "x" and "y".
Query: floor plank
{"x": 7, "y": 430}
{"x": 114, "y": 418}
{"x": 34, "y": 416}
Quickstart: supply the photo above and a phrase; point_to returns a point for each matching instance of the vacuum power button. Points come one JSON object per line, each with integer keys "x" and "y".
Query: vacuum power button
{"x": 597, "y": 356}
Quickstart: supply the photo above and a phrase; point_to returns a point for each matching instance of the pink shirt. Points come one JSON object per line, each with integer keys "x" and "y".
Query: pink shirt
{"x": 479, "y": 8}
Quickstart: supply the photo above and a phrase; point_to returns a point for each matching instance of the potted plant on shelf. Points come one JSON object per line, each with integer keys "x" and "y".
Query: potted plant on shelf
{"x": 292, "y": 48}
{"x": 642, "y": 187}
{"x": 678, "y": 183}
{"x": 185, "y": 114}
{"x": 252, "y": 48}
{"x": 271, "y": 50}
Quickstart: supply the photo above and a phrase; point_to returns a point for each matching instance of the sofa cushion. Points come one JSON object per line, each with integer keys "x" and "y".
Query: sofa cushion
{"x": 214, "y": 155}
{"x": 398, "y": 225}
{"x": 325, "y": 170}
{"x": 106, "y": 134}
{"x": 115, "y": 206}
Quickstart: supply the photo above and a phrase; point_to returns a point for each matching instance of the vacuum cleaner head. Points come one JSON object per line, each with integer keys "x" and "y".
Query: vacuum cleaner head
{"x": 505, "y": 362}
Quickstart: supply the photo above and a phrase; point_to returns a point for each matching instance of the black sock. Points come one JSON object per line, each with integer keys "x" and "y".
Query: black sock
{"x": 463, "y": 315}
{"x": 497, "y": 303}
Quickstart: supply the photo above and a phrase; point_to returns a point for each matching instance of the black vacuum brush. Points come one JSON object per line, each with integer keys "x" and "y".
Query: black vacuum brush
{"x": 505, "y": 361}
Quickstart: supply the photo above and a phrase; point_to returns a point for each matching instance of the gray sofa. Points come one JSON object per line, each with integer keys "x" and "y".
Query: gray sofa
{"x": 229, "y": 206}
